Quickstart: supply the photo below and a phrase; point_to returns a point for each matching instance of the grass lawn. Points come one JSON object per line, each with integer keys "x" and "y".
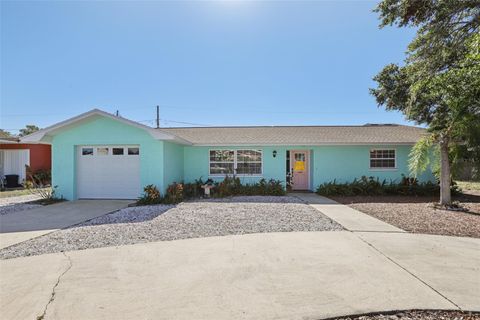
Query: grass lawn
{"x": 469, "y": 185}
{"x": 417, "y": 214}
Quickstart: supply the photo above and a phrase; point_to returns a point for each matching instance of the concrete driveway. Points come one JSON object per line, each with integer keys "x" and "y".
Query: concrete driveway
{"x": 370, "y": 267}
{"x": 23, "y": 225}
{"x": 297, "y": 275}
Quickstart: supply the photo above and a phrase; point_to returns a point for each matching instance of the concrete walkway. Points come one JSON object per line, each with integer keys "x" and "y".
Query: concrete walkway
{"x": 23, "y": 225}
{"x": 304, "y": 275}
{"x": 350, "y": 219}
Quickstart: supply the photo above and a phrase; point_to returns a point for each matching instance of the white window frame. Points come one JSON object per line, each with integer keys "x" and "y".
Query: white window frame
{"x": 382, "y": 168}
{"x": 87, "y": 147}
{"x": 210, "y": 162}
{"x": 125, "y": 151}
{"x": 110, "y": 150}
{"x": 235, "y": 166}
{"x": 235, "y": 162}
{"x": 117, "y": 155}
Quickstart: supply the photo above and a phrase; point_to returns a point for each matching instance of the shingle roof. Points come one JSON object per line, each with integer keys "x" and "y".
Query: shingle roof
{"x": 3, "y": 135}
{"x": 6, "y": 137}
{"x": 300, "y": 135}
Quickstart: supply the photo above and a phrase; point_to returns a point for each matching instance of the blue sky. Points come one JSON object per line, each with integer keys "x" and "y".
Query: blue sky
{"x": 208, "y": 63}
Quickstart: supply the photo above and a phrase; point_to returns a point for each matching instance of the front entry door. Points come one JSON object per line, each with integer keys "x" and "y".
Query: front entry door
{"x": 299, "y": 169}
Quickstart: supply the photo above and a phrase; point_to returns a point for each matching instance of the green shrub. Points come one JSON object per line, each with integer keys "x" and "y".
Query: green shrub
{"x": 174, "y": 193}
{"x": 270, "y": 188}
{"x": 374, "y": 187}
{"x": 232, "y": 186}
{"x": 151, "y": 195}
{"x": 193, "y": 190}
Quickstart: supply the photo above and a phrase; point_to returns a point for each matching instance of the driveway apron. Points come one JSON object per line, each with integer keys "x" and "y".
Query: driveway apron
{"x": 23, "y": 225}
{"x": 292, "y": 275}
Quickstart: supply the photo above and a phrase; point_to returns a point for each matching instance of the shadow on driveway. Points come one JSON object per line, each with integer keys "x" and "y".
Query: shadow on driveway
{"x": 58, "y": 216}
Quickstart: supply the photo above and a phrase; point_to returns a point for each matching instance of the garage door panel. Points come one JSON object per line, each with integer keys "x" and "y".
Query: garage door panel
{"x": 108, "y": 176}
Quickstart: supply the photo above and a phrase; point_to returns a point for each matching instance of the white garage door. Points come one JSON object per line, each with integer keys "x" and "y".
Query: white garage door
{"x": 108, "y": 172}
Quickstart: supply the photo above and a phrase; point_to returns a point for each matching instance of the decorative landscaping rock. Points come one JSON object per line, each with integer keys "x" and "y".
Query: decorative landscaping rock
{"x": 195, "y": 219}
{"x": 417, "y": 315}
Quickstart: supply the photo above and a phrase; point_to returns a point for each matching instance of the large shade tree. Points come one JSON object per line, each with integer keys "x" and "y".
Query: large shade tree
{"x": 439, "y": 83}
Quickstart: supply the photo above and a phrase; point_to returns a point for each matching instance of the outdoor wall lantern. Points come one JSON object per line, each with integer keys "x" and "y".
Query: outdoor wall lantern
{"x": 274, "y": 153}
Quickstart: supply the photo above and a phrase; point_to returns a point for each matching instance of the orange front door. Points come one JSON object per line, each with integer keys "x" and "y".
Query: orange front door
{"x": 299, "y": 169}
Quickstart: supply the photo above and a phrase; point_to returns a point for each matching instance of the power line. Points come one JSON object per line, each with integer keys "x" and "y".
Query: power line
{"x": 152, "y": 121}
{"x": 203, "y": 108}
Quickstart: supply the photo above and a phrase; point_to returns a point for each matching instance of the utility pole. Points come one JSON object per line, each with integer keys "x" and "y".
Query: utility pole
{"x": 158, "y": 117}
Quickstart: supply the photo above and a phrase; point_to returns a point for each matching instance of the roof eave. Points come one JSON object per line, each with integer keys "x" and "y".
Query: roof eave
{"x": 6, "y": 141}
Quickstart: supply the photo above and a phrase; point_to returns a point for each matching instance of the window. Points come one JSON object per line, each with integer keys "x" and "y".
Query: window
{"x": 242, "y": 162}
{"x": 87, "y": 151}
{"x": 249, "y": 162}
{"x": 117, "y": 151}
{"x": 133, "y": 151}
{"x": 222, "y": 161}
{"x": 382, "y": 159}
{"x": 102, "y": 151}
{"x": 300, "y": 157}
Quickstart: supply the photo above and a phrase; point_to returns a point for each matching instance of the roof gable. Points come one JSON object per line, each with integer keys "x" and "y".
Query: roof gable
{"x": 45, "y": 135}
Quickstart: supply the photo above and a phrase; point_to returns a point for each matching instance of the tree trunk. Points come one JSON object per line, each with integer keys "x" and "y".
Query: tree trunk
{"x": 445, "y": 194}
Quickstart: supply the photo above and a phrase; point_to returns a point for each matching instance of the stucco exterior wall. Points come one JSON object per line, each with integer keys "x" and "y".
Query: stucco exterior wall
{"x": 173, "y": 163}
{"x": 163, "y": 162}
{"x": 104, "y": 131}
{"x": 343, "y": 163}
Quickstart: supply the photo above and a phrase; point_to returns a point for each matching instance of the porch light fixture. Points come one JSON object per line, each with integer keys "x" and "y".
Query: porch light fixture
{"x": 274, "y": 153}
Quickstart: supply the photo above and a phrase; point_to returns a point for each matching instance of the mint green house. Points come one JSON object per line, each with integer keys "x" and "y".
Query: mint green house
{"x": 100, "y": 155}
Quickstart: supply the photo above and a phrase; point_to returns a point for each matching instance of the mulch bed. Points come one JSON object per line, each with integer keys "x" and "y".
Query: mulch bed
{"x": 417, "y": 315}
{"x": 418, "y": 215}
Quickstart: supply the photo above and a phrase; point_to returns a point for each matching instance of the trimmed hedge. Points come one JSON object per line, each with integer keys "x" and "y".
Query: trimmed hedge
{"x": 370, "y": 186}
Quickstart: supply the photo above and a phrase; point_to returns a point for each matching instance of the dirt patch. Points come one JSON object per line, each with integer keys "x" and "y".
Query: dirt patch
{"x": 417, "y": 214}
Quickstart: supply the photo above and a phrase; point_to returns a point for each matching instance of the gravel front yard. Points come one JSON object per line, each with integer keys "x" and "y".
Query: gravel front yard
{"x": 418, "y": 315}
{"x": 417, "y": 215}
{"x": 18, "y": 203}
{"x": 239, "y": 215}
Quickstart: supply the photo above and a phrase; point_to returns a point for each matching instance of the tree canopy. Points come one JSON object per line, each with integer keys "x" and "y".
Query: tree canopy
{"x": 5, "y": 133}
{"x": 29, "y": 128}
{"x": 439, "y": 83}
